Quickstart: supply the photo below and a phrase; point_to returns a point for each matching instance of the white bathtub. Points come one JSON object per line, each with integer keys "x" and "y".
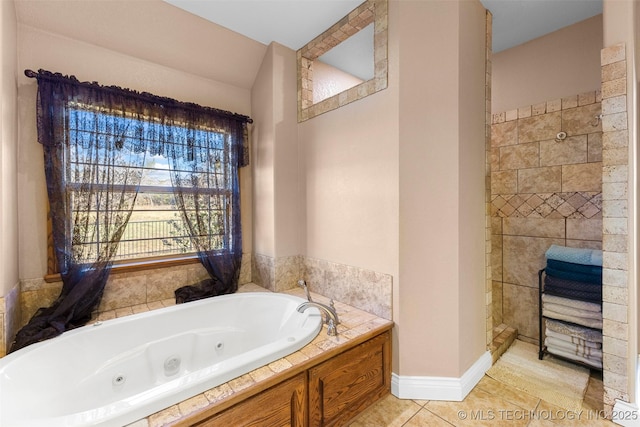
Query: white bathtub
{"x": 121, "y": 370}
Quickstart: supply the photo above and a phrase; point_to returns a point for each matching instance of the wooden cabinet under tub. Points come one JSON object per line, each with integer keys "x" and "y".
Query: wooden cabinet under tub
{"x": 328, "y": 391}
{"x": 284, "y": 404}
{"x": 345, "y": 385}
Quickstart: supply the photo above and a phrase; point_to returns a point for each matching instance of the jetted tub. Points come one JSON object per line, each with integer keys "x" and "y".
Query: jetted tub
{"x": 118, "y": 371}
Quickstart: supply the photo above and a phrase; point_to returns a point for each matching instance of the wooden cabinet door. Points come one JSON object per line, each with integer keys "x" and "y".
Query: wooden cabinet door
{"x": 342, "y": 387}
{"x": 284, "y": 404}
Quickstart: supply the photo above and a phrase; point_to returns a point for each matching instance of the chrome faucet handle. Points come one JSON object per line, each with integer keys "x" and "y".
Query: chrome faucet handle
{"x": 331, "y": 328}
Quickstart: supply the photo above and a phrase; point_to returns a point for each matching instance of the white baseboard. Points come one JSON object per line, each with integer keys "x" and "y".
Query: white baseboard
{"x": 440, "y": 388}
{"x": 626, "y": 414}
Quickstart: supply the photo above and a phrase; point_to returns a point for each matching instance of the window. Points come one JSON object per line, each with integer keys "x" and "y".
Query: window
{"x": 131, "y": 175}
{"x": 155, "y": 227}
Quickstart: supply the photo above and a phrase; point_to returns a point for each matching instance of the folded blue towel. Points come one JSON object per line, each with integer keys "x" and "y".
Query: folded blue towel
{"x": 574, "y": 276}
{"x": 572, "y": 284}
{"x": 591, "y": 292}
{"x": 575, "y": 255}
{"x": 574, "y": 268}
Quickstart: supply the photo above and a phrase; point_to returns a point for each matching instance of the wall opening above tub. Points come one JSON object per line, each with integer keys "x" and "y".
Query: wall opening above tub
{"x": 321, "y": 86}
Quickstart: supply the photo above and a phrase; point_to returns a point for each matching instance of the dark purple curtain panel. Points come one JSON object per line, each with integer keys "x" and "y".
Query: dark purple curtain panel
{"x": 96, "y": 140}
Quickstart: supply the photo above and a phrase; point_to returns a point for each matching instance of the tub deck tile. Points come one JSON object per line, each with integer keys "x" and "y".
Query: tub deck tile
{"x": 194, "y": 404}
{"x": 165, "y": 417}
{"x": 280, "y": 365}
{"x": 262, "y": 373}
{"x": 241, "y": 383}
{"x": 121, "y": 312}
{"x": 218, "y": 393}
{"x": 140, "y": 308}
{"x": 311, "y": 350}
{"x": 297, "y": 358}
{"x": 107, "y": 315}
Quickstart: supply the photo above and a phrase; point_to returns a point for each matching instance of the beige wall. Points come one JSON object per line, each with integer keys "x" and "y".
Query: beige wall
{"x": 349, "y": 179}
{"x": 9, "y": 309}
{"x": 38, "y": 49}
{"x": 263, "y": 157}
{"x": 471, "y": 191}
{"x": 563, "y": 63}
{"x": 8, "y": 150}
{"x": 349, "y": 166}
{"x": 277, "y": 220}
{"x": 441, "y": 280}
{"x": 377, "y": 184}
{"x": 329, "y": 81}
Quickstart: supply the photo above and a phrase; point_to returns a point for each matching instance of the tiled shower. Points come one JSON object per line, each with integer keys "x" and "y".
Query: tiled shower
{"x": 546, "y": 188}
{"x": 573, "y": 189}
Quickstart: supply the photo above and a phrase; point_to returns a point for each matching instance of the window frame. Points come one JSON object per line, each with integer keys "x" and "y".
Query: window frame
{"x": 152, "y": 262}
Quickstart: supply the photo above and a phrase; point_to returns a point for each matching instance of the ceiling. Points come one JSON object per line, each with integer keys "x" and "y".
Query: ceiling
{"x": 161, "y": 36}
{"x": 518, "y": 21}
{"x": 293, "y": 23}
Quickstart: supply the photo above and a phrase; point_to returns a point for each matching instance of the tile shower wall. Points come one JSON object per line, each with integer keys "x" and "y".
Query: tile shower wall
{"x": 615, "y": 211}
{"x": 544, "y": 191}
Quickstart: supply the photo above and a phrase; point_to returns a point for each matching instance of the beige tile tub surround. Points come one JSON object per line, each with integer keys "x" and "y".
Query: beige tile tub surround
{"x": 123, "y": 289}
{"x": 367, "y": 290}
{"x": 364, "y": 289}
{"x": 543, "y": 191}
{"x": 9, "y": 318}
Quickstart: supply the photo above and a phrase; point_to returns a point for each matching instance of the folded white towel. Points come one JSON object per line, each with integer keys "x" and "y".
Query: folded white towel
{"x": 576, "y": 331}
{"x": 595, "y": 362}
{"x": 572, "y": 348}
{"x": 573, "y": 340}
{"x": 577, "y": 304}
{"x": 590, "y": 323}
{"x": 573, "y": 311}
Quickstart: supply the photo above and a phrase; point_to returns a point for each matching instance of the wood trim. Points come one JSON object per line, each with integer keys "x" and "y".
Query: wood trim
{"x": 148, "y": 264}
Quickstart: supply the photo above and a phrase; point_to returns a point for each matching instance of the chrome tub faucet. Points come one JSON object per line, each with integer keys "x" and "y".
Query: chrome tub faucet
{"x": 331, "y": 316}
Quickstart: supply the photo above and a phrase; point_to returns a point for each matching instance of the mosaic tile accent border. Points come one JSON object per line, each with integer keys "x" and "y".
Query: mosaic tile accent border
{"x": 574, "y": 205}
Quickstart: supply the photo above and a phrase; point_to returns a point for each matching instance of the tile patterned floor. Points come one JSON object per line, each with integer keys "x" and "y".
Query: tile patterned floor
{"x": 490, "y": 403}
